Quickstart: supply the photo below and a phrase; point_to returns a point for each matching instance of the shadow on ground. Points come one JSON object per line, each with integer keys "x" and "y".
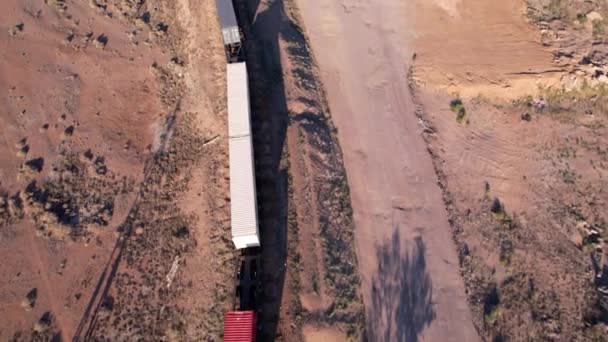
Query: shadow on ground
{"x": 275, "y": 46}
{"x": 401, "y": 301}
{"x": 262, "y": 25}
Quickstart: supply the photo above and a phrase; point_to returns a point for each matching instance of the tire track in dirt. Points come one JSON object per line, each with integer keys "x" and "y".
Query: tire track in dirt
{"x": 62, "y": 326}
{"x": 411, "y": 282}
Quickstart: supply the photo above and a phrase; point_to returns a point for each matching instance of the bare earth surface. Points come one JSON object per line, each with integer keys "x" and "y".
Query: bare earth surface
{"x": 511, "y": 97}
{"x": 410, "y": 274}
{"x": 113, "y": 164}
{"x": 471, "y": 47}
{"x": 473, "y": 134}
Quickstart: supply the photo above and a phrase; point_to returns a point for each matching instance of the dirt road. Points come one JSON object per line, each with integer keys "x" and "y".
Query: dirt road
{"x": 411, "y": 283}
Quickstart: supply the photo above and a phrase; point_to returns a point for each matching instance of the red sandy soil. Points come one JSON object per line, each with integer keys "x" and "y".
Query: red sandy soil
{"x": 534, "y": 268}
{"x": 526, "y": 267}
{"x": 114, "y": 219}
{"x": 123, "y": 104}
{"x": 410, "y": 275}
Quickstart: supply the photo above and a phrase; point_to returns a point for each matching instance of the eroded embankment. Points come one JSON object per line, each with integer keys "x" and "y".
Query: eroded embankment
{"x": 306, "y": 220}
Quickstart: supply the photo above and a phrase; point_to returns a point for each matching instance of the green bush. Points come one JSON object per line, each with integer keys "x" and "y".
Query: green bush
{"x": 457, "y": 107}
{"x": 568, "y": 104}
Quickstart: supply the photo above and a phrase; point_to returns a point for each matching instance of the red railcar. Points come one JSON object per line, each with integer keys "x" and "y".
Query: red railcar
{"x": 239, "y": 326}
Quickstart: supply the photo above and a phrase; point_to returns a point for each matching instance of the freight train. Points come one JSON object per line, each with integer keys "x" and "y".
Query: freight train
{"x": 240, "y": 325}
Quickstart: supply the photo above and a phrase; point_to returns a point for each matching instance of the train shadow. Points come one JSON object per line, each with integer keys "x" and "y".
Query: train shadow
{"x": 401, "y": 300}
{"x": 262, "y": 28}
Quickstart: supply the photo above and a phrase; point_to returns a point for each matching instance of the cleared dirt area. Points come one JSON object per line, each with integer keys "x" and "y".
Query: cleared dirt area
{"x": 113, "y": 177}
{"x": 481, "y": 47}
{"x": 515, "y": 119}
{"x": 509, "y": 99}
{"x": 470, "y": 136}
{"x": 408, "y": 263}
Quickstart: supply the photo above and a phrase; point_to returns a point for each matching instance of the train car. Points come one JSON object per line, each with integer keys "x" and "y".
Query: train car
{"x": 231, "y": 32}
{"x": 243, "y": 199}
{"x": 239, "y": 326}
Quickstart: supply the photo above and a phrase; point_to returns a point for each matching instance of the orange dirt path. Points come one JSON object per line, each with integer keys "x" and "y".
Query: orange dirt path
{"x": 410, "y": 275}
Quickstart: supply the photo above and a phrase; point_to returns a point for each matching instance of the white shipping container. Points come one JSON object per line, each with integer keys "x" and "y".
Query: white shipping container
{"x": 239, "y": 119}
{"x": 243, "y": 202}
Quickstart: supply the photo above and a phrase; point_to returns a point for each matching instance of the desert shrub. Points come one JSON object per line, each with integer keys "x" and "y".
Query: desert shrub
{"x": 506, "y": 250}
{"x": 558, "y": 9}
{"x": 499, "y": 338}
{"x": 566, "y": 104}
{"x": 457, "y": 107}
{"x": 547, "y": 10}
{"x": 456, "y": 104}
{"x": 497, "y": 207}
{"x": 565, "y": 10}
{"x": 491, "y": 306}
{"x": 569, "y": 176}
{"x": 599, "y": 28}
{"x": 581, "y": 18}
